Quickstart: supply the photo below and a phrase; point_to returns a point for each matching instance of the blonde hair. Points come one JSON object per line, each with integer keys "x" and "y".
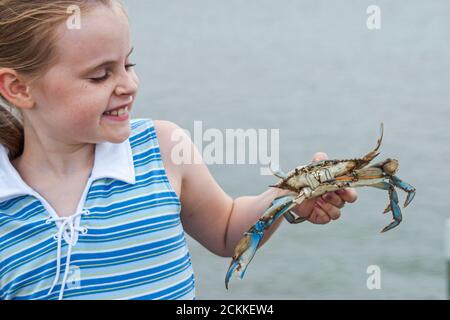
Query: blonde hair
{"x": 27, "y": 45}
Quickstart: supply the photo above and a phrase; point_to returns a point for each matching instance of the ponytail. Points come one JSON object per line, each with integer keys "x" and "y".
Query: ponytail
{"x": 11, "y": 130}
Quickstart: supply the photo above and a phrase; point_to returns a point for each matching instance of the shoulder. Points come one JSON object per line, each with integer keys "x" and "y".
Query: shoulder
{"x": 165, "y": 128}
{"x": 171, "y": 137}
{"x": 162, "y": 128}
{"x": 160, "y": 132}
{"x": 163, "y": 135}
{"x": 167, "y": 135}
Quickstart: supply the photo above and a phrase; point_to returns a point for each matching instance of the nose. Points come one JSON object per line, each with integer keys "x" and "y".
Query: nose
{"x": 128, "y": 84}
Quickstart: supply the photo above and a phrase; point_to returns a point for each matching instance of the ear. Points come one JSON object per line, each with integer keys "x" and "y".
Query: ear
{"x": 14, "y": 89}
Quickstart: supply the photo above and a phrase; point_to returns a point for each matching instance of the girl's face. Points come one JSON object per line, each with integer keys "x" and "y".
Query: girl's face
{"x": 92, "y": 75}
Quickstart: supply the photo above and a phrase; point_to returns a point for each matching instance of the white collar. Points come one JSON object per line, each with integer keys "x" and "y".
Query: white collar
{"x": 111, "y": 161}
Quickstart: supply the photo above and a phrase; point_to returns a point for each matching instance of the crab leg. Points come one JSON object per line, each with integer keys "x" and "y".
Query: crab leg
{"x": 384, "y": 186}
{"x": 292, "y": 218}
{"x": 277, "y": 172}
{"x": 247, "y": 246}
{"x": 393, "y": 200}
{"x": 374, "y": 153}
{"x": 393, "y": 205}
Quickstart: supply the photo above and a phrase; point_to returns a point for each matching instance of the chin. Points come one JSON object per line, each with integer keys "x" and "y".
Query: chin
{"x": 119, "y": 137}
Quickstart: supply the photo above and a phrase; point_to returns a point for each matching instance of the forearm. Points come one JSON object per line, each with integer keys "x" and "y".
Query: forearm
{"x": 245, "y": 213}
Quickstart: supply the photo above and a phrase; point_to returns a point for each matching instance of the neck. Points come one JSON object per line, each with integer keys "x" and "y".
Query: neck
{"x": 53, "y": 158}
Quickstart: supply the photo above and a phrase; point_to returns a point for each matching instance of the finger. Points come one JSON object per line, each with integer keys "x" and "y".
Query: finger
{"x": 348, "y": 195}
{"x": 319, "y": 216}
{"x": 319, "y": 156}
{"x": 334, "y": 199}
{"x": 333, "y": 212}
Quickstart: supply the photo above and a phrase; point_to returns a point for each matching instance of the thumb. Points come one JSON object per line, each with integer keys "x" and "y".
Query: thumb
{"x": 319, "y": 156}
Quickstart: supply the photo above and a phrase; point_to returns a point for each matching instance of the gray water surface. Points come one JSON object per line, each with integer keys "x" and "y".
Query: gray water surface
{"x": 313, "y": 70}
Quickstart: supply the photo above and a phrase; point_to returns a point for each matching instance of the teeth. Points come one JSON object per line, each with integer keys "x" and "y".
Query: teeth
{"x": 116, "y": 113}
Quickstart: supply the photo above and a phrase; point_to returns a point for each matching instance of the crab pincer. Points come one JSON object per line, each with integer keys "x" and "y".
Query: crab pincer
{"x": 247, "y": 246}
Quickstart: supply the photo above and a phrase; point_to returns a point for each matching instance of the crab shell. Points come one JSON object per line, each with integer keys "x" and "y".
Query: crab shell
{"x": 314, "y": 174}
{"x": 328, "y": 170}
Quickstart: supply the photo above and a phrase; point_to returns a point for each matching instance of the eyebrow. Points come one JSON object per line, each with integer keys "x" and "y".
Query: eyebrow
{"x": 106, "y": 63}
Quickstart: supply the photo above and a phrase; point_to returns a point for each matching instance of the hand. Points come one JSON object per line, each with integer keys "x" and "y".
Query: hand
{"x": 322, "y": 210}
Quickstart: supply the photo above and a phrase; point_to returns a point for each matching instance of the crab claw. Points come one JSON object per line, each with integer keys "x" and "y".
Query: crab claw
{"x": 395, "y": 210}
{"x": 405, "y": 187}
{"x": 247, "y": 246}
{"x": 409, "y": 198}
{"x": 244, "y": 252}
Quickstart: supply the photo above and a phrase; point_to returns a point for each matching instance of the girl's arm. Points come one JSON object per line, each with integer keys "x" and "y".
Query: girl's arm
{"x": 212, "y": 217}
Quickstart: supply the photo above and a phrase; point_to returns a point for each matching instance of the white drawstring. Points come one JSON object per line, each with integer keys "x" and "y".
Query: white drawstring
{"x": 67, "y": 228}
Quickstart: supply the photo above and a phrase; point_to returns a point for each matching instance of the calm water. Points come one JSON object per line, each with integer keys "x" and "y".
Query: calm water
{"x": 313, "y": 70}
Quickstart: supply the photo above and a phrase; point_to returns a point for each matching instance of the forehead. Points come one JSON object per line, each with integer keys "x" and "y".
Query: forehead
{"x": 104, "y": 35}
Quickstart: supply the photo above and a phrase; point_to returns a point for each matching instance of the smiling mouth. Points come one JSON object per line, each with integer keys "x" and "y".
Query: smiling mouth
{"x": 117, "y": 112}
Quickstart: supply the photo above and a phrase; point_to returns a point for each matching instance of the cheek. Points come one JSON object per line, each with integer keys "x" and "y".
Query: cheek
{"x": 77, "y": 105}
{"x": 87, "y": 104}
{"x": 84, "y": 114}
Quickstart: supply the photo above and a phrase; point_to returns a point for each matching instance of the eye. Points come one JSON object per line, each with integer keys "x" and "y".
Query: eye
{"x": 106, "y": 76}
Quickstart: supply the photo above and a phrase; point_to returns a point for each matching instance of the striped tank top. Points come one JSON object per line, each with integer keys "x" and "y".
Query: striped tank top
{"x": 125, "y": 241}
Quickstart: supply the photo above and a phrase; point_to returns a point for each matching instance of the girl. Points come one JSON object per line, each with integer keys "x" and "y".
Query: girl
{"x": 91, "y": 203}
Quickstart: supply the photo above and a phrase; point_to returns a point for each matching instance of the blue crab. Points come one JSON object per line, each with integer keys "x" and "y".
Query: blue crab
{"x": 314, "y": 180}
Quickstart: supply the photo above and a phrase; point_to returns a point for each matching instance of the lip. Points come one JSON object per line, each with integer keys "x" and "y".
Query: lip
{"x": 121, "y": 118}
{"x": 120, "y": 107}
